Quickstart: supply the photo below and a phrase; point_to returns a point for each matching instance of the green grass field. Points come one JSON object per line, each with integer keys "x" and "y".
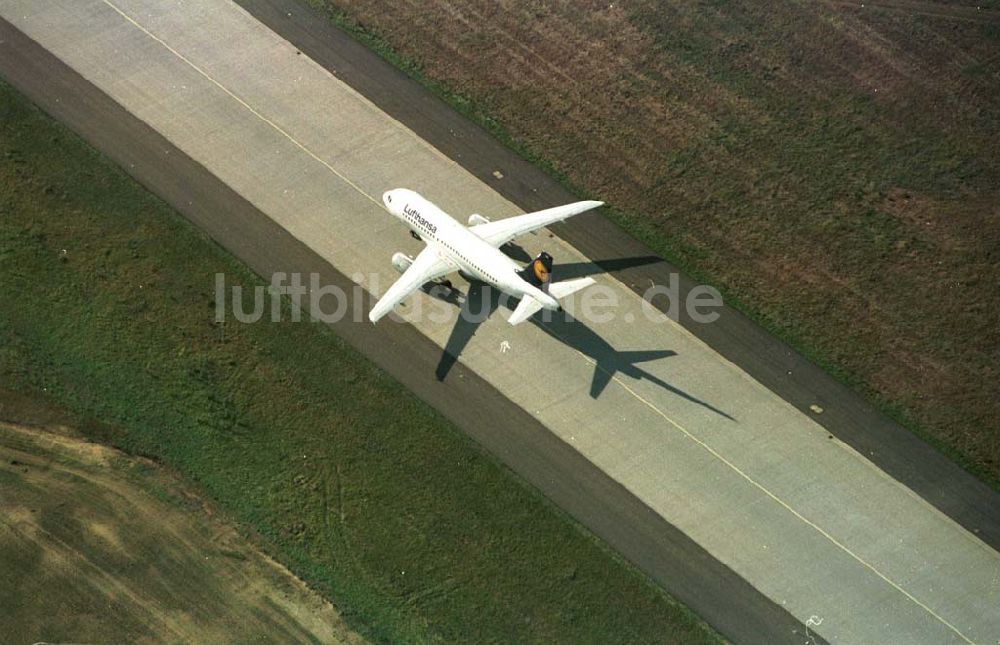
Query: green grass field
{"x": 831, "y": 167}
{"x": 353, "y": 483}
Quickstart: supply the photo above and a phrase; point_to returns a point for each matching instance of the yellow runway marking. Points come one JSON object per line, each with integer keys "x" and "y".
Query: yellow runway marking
{"x": 628, "y": 389}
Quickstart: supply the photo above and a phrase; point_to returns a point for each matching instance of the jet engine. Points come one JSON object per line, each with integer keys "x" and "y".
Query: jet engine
{"x": 476, "y": 219}
{"x": 401, "y": 262}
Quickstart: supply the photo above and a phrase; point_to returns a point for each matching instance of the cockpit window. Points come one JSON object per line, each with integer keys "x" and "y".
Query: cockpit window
{"x": 389, "y": 198}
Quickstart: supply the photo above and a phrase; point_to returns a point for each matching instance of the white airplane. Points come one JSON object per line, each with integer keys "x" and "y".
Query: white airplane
{"x": 475, "y": 252}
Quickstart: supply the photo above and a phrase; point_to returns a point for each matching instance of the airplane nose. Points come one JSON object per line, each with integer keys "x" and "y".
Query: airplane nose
{"x": 387, "y": 198}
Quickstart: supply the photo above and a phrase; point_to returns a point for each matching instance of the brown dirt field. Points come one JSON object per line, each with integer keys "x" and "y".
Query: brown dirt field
{"x": 96, "y": 546}
{"x": 832, "y": 167}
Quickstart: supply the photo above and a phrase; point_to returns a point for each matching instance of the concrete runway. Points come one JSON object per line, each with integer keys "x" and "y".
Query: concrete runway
{"x": 801, "y": 516}
{"x": 892, "y": 448}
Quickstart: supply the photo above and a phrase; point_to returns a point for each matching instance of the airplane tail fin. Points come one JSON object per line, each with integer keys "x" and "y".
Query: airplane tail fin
{"x": 558, "y": 290}
{"x": 538, "y": 272}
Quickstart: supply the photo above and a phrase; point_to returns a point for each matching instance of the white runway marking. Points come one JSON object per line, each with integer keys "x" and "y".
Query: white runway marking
{"x": 236, "y": 98}
{"x": 613, "y": 377}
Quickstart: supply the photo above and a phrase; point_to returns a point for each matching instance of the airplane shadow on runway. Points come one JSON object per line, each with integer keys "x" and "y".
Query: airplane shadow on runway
{"x": 515, "y": 252}
{"x": 481, "y": 301}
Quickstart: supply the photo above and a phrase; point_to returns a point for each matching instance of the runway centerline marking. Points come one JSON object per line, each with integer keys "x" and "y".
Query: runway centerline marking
{"x": 613, "y": 376}
{"x": 774, "y": 497}
{"x": 236, "y": 98}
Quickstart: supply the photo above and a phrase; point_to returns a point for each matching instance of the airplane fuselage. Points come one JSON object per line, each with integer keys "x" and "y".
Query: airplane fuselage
{"x": 461, "y": 247}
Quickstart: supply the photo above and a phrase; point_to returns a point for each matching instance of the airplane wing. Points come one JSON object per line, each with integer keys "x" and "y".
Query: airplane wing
{"x": 502, "y": 231}
{"x": 427, "y": 266}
